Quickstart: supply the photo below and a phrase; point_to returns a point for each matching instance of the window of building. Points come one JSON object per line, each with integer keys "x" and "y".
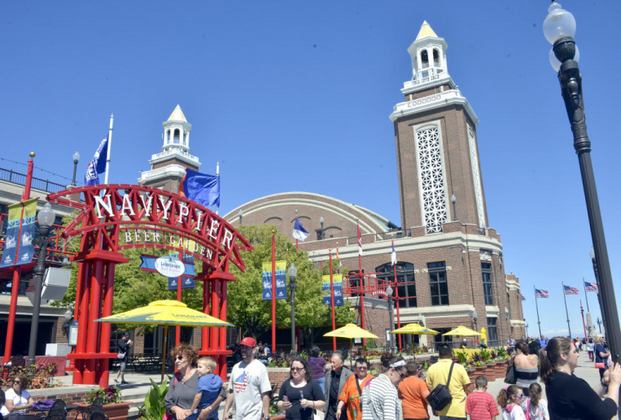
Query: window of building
{"x": 441, "y": 339}
{"x": 176, "y": 136}
{"x": 438, "y": 283}
{"x": 486, "y": 273}
{"x": 406, "y": 285}
{"x": 436, "y": 57}
{"x": 432, "y": 185}
{"x": 424, "y": 59}
{"x": 492, "y": 332}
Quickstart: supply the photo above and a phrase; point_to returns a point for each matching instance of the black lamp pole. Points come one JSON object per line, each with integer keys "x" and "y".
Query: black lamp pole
{"x": 76, "y": 159}
{"x": 45, "y": 218}
{"x": 293, "y": 271}
{"x": 559, "y": 29}
{"x": 391, "y": 318}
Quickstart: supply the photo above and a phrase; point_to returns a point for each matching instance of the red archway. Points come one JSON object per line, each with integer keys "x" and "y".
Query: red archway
{"x": 116, "y": 217}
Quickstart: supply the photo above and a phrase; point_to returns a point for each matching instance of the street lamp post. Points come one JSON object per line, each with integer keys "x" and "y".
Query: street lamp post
{"x": 76, "y": 159}
{"x": 45, "y": 219}
{"x": 390, "y": 318}
{"x": 559, "y": 28}
{"x": 599, "y": 325}
{"x": 321, "y": 230}
{"x": 293, "y": 272}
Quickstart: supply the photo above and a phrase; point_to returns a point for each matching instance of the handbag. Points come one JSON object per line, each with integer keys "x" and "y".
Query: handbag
{"x": 510, "y": 374}
{"x": 120, "y": 355}
{"x": 440, "y": 396}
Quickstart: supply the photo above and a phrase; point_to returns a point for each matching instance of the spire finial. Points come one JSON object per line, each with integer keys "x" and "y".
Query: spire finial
{"x": 425, "y": 31}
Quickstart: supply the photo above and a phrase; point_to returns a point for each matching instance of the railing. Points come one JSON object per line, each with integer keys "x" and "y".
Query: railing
{"x": 40, "y": 184}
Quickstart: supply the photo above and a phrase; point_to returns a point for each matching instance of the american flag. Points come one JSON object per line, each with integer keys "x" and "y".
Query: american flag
{"x": 540, "y": 293}
{"x": 568, "y": 290}
{"x": 241, "y": 382}
{"x": 590, "y": 287}
{"x": 522, "y": 296}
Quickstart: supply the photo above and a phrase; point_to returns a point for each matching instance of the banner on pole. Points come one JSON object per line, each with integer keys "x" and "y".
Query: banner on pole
{"x": 337, "y": 283}
{"x": 12, "y": 255}
{"x": 186, "y": 283}
{"x": 281, "y": 280}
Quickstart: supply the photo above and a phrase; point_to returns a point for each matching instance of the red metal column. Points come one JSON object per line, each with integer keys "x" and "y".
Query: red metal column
{"x": 82, "y": 317}
{"x": 93, "y": 327}
{"x": 206, "y": 310}
{"x": 332, "y": 303}
{"x": 8, "y": 345}
{"x": 274, "y": 293}
{"x": 76, "y": 308}
{"x": 180, "y": 299}
{"x": 214, "y": 336}
{"x": 396, "y": 282}
{"x": 222, "y": 357}
{"x": 106, "y": 327}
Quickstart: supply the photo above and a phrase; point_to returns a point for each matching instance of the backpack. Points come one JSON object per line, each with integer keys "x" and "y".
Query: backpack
{"x": 440, "y": 396}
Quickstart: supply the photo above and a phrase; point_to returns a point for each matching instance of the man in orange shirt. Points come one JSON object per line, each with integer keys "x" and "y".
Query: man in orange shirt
{"x": 413, "y": 392}
{"x": 350, "y": 395}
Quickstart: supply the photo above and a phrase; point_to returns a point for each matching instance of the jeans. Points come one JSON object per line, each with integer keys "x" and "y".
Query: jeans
{"x": 322, "y": 383}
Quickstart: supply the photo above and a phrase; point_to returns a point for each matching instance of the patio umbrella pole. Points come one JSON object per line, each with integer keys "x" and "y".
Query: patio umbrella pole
{"x": 164, "y": 351}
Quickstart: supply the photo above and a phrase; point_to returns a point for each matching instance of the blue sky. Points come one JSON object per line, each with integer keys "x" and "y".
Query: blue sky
{"x": 296, "y": 96}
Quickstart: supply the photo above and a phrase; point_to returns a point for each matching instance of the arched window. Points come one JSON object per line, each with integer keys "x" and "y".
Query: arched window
{"x": 436, "y": 57}
{"x": 405, "y": 281}
{"x": 424, "y": 59}
{"x": 176, "y": 136}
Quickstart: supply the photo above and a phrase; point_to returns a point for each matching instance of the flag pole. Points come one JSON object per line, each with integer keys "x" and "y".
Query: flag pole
{"x": 361, "y": 277}
{"x": 109, "y": 148}
{"x": 332, "y": 302}
{"x": 219, "y": 191}
{"x": 396, "y": 282}
{"x": 274, "y": 292}
{"x": 566, "y": 311}
{"x": 586, "y": 298}
{"x": 537, "y": 308}
{"x": 583, "y": 323}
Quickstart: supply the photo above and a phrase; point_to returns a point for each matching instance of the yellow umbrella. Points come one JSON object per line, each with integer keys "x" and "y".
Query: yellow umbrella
{"x": 166, "y": 313}
{"x": 350, "y": 331}
{"x": 415, "y": 329}
{"x": 463, "y": 332}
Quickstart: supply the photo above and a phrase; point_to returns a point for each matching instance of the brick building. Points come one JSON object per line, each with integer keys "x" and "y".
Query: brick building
{"x": 450, "y": 268}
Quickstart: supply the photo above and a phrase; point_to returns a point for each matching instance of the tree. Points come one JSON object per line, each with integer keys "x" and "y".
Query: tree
{"x": 247, "y": 309}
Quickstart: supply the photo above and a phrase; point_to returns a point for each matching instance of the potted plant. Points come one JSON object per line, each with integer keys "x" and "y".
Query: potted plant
{"x": 111, "y": 400}
{"x": 154, "y": 406}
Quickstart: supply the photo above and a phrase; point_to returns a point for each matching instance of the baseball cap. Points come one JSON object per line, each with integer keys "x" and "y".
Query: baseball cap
{"x": 248, "y": 342}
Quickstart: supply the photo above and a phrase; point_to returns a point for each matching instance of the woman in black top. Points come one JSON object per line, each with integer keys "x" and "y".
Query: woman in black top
{"x": 299, "y": 395}
{"x": 570, "y": 397}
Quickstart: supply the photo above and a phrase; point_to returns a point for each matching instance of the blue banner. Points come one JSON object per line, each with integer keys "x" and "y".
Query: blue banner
{"x": 337, "y": 285}
{"x": 281, "y": 280}
{"x": 13, "y": 255}
{"x": 187, "y": 283}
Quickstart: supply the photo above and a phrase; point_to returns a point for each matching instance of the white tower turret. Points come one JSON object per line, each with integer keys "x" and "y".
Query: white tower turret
{"x": 168, "y": 166}
{"x": 428, "y": 53}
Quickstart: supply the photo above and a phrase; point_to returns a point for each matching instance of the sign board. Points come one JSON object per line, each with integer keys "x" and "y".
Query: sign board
{"x": 281, "y": 280}
{"x": 186, "y": 283}
{"x": 169, "y": 266}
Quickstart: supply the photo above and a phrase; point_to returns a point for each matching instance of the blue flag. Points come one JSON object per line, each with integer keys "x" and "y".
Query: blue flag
{"x": 97, "y": 165}
{"x": 299, "y": 232}
{"x": 202, "y": 188}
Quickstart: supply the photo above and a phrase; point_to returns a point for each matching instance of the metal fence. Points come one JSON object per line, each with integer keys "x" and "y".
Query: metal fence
{"x": 40, "y": 184}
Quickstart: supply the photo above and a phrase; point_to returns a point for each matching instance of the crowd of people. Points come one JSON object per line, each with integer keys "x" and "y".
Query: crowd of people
{"x": 320, "y": 389}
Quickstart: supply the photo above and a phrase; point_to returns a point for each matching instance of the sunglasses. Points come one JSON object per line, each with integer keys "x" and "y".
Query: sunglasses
{"x": 179, "y": 357}
{"x": 296, "y": 369}
{"x": 17, "y": 382}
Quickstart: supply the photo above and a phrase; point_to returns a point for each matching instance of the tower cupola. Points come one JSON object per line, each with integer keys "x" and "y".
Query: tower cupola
{"x": 428, "y": 53}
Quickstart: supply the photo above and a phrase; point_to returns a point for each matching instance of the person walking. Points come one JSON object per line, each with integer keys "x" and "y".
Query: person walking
{"x": 124, "y": 345}
{"x": 590, "y": 348}
{"x": 480, "y": 405}
{"x": 526, "y": 366}
{"x": 380, "y": 399}
{"x": 299, "y": 395}
{"x": 535, "y": 407}
{"x": 510, "y": 400}
{"x": 336, "y": 377}
{"x": 438, "y": 374}
{"x": 601, "y": 355}
{"x": 249, "y": 386}
{"x": 570, "y": 397}
{"x": 317, "y": 366}
{"x": 413, "y": 392}
{"x": 349, "y": 398}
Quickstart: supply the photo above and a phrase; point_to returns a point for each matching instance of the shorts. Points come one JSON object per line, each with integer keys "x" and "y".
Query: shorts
{"x": 122, "y": 366}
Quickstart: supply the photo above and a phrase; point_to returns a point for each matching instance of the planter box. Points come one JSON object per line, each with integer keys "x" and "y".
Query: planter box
{"x": 117, "y": 411}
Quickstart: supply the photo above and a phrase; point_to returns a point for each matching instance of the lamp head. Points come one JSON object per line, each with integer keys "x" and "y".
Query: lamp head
{"x": 389, "y": 291}
{"x": 559, "y": 23}
{"x": 293, "y": 271}
{"x": 46, "y": 216}
{"x": 321, "y": 220}
{"x": 76, "y": 157}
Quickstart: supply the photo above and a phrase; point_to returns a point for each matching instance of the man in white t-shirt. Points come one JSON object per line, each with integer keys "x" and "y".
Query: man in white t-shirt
{"x": 249, "y": 386}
